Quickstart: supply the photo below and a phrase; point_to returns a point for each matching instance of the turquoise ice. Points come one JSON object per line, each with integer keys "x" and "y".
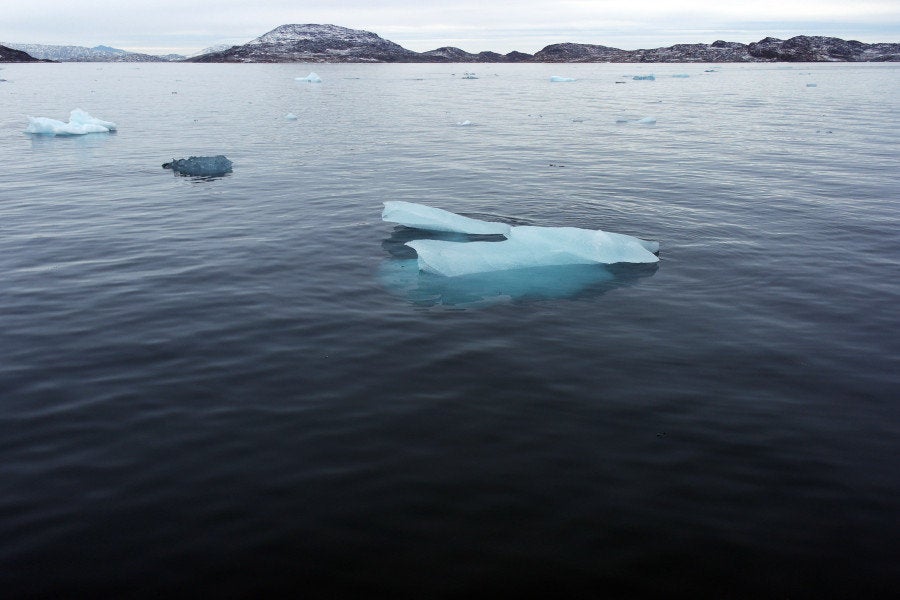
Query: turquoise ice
{"x": 524, "y": 246}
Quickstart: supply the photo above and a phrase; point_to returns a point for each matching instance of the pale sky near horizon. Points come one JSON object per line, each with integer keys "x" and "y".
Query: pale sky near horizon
{"x": 187, "y": 26}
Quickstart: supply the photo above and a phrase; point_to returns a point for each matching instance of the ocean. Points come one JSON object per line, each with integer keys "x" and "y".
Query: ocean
{"x": 241, "y": 386}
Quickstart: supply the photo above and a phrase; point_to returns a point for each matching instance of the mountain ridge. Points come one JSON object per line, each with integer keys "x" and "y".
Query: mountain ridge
{"x": 320, "y": 43}
{"x": 331, "y": 43}
{"x": 98, "y": 53}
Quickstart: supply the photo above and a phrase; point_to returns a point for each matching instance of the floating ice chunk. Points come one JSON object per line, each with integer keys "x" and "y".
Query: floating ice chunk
{"x": 680, "y": 75}
{"x": 290, "y": 117}
{"x": 641, "y": 121}
{"x": 469, "y": 75}
{"x": 311, "y": 78}
{"x": 529, "y": 246}
{"x": 209, "y": 166}
{"x": 79, "y": 123}
{"x": 811, "y": 85}
{"x": 644, "y": 78}
{"x": 558, "y": 79}
{"x": 465, "y": 123}
{"x": 524, "y": 247}
{"x": 435, "y": 219}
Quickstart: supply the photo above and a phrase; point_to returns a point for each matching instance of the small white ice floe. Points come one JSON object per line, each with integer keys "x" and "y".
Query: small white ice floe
{"x": 812, "y": 85}
{"x": 290, "y": 117}
{"x": 559, "y": 79}
{"x": 642, "y": 121}
{"x": 311, "y": 78}
{"x": 469, "y": 75}
{"x": 79, "y": 123}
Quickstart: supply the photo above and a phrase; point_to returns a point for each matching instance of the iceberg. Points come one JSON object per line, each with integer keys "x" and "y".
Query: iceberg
{"x": 79, "y": 123}
{"x": 528, "y": 247}
{"x": 209, "y": 166}
{"x": 311, "y": 78}
{"x": 420, "y": 216}
{"x": 558, "y": 79}
{"x": 644, "y": 78}
{"x": 290, "y": 117}
{"x": 524, "y": 247}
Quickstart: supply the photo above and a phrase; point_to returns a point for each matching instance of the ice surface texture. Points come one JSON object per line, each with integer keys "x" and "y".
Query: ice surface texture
{"x": 200, "y": 165}
{"x": 79, "y": 123}
{"x": 524, "y": 246}
{"x": 435, "y": 219}
{"x": 311, "y": 78}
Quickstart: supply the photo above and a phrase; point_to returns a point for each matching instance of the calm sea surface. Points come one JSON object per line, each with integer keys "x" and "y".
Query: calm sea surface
{"x": 242, "y": 387}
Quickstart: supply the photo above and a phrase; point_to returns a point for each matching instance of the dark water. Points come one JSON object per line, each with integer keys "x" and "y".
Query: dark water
{"x": 241, "y": 387}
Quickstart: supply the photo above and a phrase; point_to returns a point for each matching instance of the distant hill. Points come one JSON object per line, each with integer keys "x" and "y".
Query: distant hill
{"x": 313, "y": 43}
{"x": 85, "y": 54}
{"x": 8, "y": 54}
{"x": 330, "y": 43}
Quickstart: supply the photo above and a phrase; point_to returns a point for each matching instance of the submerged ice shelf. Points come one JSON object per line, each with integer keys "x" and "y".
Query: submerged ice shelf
{"x": 523, "y": 246}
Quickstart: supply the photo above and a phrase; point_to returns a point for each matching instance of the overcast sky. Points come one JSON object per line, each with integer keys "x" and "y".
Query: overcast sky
{"x": 186, "y": 26}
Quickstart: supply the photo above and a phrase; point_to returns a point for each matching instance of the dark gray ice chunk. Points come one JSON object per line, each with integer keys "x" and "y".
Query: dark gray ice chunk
{"x": 200, "y": 165}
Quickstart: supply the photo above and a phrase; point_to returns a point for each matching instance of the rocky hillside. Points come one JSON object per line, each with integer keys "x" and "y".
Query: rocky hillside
{"x": 456, "y": 55}
{"x": 85, "y": 54}
{"x": 330, "y": 43}
{"x": 797, "y": 49}
{"x": 314, "y": 43}
{"x": 821, "y": 49}
{"x": 8, "y": 54}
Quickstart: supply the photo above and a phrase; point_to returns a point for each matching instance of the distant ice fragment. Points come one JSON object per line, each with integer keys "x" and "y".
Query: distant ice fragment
{"x": 559, "y": 79}
{"x": 811, "y": 85}
{"x": 681, "y": 75}
{"x": 644, "y": 78}
{"x": 524, "y": 247}
{"x": 311, "y": 78}
{"x": 420, "y": 216}
{"x": 469, "y": 75}
{"x": 290, "y": 117}
{"x": 641, "y": 121}
{"x": 465, "y": 123}
{"x": 209, "y": 166}
{"x": 79, "y": 123}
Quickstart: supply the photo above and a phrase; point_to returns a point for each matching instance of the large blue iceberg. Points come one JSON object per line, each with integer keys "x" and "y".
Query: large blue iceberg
{"x": 79, "y": 123}
{"x": 523, "y": 246}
